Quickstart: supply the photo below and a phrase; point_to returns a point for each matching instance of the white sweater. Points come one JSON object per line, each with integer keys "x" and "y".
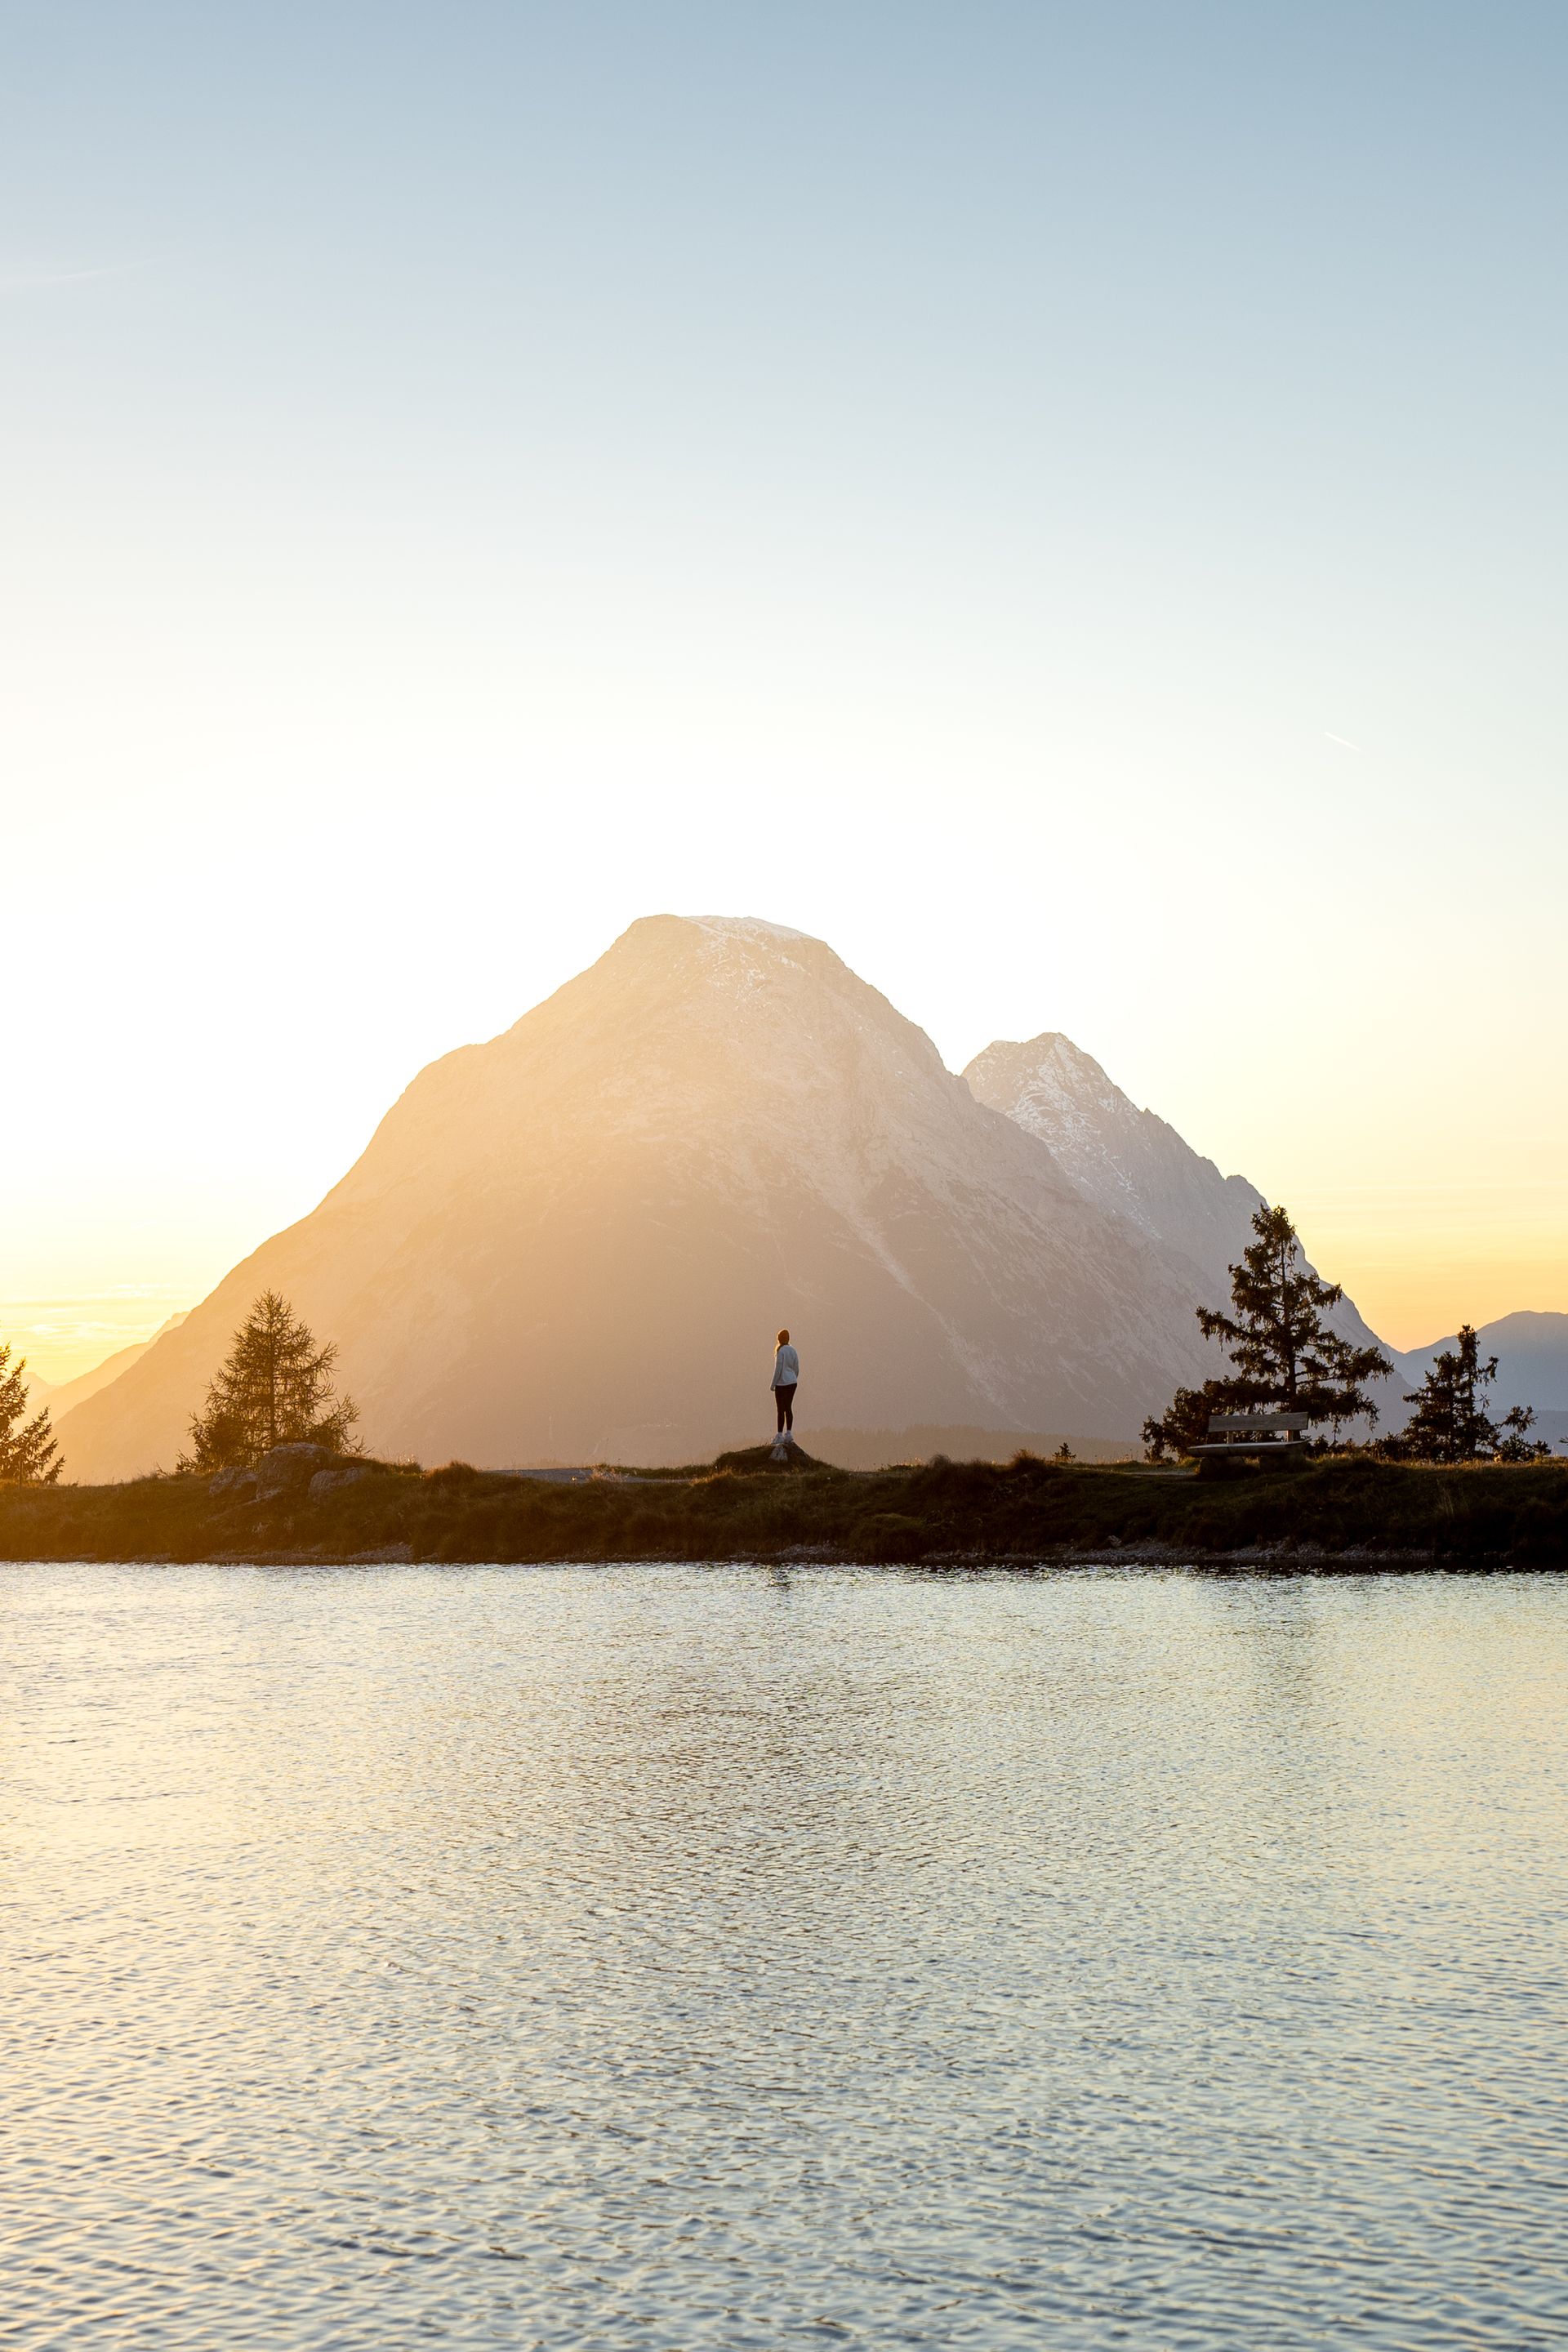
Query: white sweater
{"x": 786, "y": 1368}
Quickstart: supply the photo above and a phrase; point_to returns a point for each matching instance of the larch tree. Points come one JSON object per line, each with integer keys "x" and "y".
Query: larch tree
{"x": 276, "y": 1389}
{"x": 28, "y": 1454}
{"x": 1284, "y": 1357}
{"x": 1451, "y": 1423}
{"x": 1514, "y": 1441}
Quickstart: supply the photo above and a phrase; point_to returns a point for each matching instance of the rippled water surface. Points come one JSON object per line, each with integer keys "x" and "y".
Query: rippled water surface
{"x": 683, "y": 1958}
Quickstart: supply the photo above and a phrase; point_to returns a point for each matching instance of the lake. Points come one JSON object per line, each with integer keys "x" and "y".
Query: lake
{"x": 673, "y": 1956}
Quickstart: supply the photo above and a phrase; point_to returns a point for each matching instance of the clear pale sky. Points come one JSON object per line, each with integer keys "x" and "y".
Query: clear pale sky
{"x": 1067, "y": 504}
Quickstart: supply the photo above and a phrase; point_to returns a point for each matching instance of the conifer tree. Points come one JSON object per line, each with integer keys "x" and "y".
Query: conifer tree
{"x": 28, "y": 1456}
{"x": 276, "y": 1389}
{"x": 1450, "y": 1422}
{"x": 1284, "y": 1357}
{"x": 1185, "y": 1420}
{"x": 1514, "y": 1443}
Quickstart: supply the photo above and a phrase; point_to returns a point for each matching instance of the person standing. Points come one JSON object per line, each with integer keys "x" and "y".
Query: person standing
{"x": 787, "y": 1376}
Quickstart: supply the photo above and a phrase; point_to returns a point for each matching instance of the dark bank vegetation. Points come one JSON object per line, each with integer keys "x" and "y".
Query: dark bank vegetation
{"x": 1348, "y": 1510}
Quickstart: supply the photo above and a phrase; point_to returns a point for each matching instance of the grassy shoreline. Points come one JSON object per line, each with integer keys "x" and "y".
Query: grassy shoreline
{"x": 1340, "y": 1515}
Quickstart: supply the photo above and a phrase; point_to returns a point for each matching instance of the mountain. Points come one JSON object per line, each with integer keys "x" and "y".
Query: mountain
{"x": 1533, "y": 1363}
{"x": 1127, "y": 1159}
{"x": 71, "y": 1393}
{"x": 575, "y": 1240}
{"x": 1120, "y": 1157}
{"x": 1130, "y": 1163}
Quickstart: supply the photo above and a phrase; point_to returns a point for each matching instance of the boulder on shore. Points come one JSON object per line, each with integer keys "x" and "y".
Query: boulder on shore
{"x": 290, "y": 1467}
{"x": 327, "y": 1482}
{"x": 288, "y": 1470}
{"x": 239, "y": 1485}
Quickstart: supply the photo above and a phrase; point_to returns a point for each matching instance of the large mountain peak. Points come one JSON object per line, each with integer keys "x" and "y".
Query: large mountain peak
{"x": 688, "y": 1033}
{"x": 577, "y": 1240}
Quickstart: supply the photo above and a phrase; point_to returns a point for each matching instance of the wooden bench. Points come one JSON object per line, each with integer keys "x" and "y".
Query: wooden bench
{"x": 1280, "y": 1434}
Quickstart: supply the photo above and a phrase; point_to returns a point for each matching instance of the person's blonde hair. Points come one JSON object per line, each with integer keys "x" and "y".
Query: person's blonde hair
{"x": 783, "y": 1341}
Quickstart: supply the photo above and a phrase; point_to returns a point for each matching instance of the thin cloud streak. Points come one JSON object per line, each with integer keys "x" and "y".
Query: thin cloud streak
{"x": 30, "y": 281}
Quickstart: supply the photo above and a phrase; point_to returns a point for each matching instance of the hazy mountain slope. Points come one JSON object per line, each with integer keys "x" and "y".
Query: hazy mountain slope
{"x": 1533, "y": 1361}
{"x": 577, "y": 1240}
{"x": 70, "y": 1393}
{"x": 875, "y": 1449}
{"x": 1127, "y": 1159}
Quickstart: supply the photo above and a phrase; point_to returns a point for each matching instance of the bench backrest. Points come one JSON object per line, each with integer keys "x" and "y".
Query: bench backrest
{"x": 1256, "y": 1423}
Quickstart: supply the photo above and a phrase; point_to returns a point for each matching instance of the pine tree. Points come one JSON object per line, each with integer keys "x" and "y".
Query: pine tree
{"x": 28, "y": 1454}
{"x": 1450, "y": 1422}
{"x": 276, "y": 1389}
{"x": 1185, "y": 1420}
{"x": 1518, "y": 1446}
{"x": 1285, "y": 1358}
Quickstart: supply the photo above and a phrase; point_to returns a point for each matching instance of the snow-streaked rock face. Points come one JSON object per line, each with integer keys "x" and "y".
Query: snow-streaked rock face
{"x": 1120, "y": 1157}
{"x": 736, "y": 926}
{"x": 577, "y": 1242}
{"x": 1131, "y": 1162}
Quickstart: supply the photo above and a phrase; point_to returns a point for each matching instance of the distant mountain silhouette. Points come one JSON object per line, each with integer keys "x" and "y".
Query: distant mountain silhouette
{"x": 1533, "y": 1363}
{"x": 1126, "y": 1160}
{"x": 575, "y": 1242}
{"x": 70, "y": 1393}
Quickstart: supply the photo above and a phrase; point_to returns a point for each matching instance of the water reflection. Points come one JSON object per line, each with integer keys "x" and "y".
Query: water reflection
{"x": 677, "y": 1957}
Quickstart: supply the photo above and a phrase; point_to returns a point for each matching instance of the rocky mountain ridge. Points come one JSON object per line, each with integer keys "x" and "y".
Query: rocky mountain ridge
{"x": 1131, "y": 1163}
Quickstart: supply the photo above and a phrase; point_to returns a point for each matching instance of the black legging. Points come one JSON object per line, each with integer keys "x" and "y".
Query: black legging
{"x": 784, "y": 1399}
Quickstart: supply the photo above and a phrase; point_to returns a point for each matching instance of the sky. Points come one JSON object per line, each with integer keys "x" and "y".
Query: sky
{"x": 1066, "y": 504}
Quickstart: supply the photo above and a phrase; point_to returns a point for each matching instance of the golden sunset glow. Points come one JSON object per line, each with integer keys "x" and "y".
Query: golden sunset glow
{"x": 413, "y": 584}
